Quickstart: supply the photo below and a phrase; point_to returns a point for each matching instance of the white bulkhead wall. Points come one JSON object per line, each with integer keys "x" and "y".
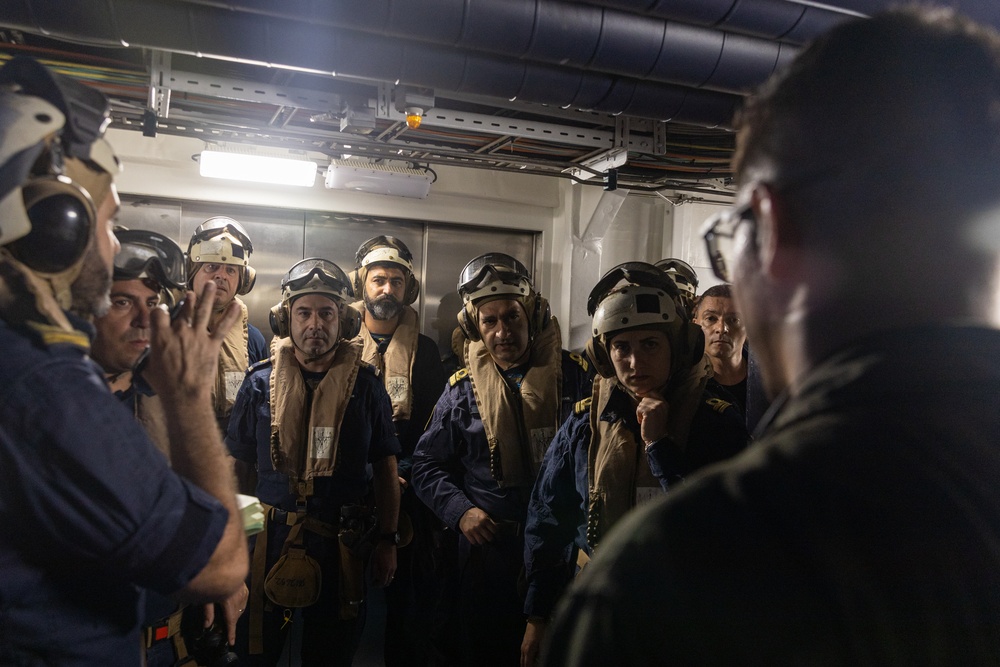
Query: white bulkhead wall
{"x": 584, "y": 229}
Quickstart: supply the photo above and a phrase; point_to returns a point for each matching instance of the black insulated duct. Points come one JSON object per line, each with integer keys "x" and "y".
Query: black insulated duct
{"x": 204, "y": 30}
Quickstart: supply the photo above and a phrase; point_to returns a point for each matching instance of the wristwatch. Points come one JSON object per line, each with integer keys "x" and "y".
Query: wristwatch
{"x": 392, "y": 538}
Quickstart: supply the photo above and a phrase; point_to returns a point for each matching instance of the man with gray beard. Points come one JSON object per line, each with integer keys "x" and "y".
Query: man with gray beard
{"x": 414, "y": 377}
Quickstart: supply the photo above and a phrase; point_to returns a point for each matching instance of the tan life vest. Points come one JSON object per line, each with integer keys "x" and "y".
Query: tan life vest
{"x": 519, "y": 428}
{"x": 396, "y": 365}
{"x": 234, "y": 359}
{"x": 304, "y": 446}
{"x": 618, "y": 470}
{"x": 27, "y": 299}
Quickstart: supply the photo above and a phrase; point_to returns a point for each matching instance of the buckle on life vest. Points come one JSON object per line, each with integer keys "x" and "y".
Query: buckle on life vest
{"x": 163, "y": 629}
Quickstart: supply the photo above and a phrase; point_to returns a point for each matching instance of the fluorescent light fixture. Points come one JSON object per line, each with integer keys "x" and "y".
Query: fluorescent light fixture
{"x": 378, "y": 178}
{"x": 257, "y": 168}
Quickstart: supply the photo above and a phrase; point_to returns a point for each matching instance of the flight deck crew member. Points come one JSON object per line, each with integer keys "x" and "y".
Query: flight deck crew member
{"x": 411, "y": 370}
{"x": 92, "y": 514}
{"x": 650, "y": 422}
{"x": 862, "y": 527}
{"x": 149, "y": 268}
{"x": 315, "y": 418}
{"x": 219, "y": 251}
{"x": 477, "y": 461}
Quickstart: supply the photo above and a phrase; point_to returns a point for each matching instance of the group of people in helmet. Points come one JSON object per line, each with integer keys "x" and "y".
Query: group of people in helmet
{"x": 472, "y": 499}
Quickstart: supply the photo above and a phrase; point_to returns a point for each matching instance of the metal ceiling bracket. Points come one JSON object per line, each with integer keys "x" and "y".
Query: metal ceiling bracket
{"x": 659, "y": 138}
{"x": 599, "y": 164}
{"x": 621, "y": 132}
{"x": 159, "y": 83}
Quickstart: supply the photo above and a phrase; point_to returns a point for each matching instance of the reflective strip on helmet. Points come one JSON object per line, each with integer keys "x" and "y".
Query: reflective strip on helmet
{"x": 222, "y": 249}
{"x": 631, "y": 307}
{"x": 386, "y": 254}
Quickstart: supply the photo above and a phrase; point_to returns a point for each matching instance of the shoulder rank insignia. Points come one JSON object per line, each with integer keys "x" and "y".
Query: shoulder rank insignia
{"x": 458, "y": 376}
{"x": 258, "y": 364}
{"x": 583, "y": 406}
{"x": 584, "y": 364}
{"x": 718, "y": 404}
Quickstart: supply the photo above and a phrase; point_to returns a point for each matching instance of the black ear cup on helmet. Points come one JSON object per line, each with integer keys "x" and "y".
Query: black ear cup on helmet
{"x": 249, "y": 278}
{"x": 350, "y": 321}
{"x": 467, "y": 322}
{"x": 412, "y": 289}
{"x": 279, "y": 320}
{"x": 62, "y": 218}
{"x": 357, "y": 283}
{"x": 695, "y": 338}
{"x": 599, "y": 357}
{"x": 541, "y": 316}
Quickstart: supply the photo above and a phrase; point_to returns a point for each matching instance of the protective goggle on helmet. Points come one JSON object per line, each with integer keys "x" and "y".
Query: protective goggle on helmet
{"x": 633, "y": 295}
{"x": 146, "y": 254}
{"x": 494, "y": 274}
{"x": 386, "y": 249}
{"x": 684, "y": 276}
{"x": 220, "y": 240}
{"x": 316, "y": 276}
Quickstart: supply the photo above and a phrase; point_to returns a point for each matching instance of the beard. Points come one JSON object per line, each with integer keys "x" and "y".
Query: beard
{"x": 92, "y": 289}
{"x": 384, "y": 307}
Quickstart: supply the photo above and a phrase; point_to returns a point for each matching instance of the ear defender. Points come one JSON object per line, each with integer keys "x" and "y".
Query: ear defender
{"x": 62, "y": 216}
{"x": 412, "y": 289}
{"x": 350, "y": 321}
{"x": 467, "y": 322}
{"x": 279, "y": 320}
{"x": 249, "y": 278}
{"x": 599, "y": 357}
{"x": 542, "y": 314}
{"x": 357, "y": 282}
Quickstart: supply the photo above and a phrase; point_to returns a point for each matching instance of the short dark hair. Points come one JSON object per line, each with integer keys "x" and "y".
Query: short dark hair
{"x": 721, "y": 291}
{"x": 884, "y": 120}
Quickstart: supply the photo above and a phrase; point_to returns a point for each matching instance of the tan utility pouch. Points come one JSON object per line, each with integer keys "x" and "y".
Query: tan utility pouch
{"x": 295, "y": 580}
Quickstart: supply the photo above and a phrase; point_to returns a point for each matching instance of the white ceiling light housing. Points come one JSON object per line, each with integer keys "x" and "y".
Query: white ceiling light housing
{"x": 247, "y": 166}
{"x": 378, "y": 178}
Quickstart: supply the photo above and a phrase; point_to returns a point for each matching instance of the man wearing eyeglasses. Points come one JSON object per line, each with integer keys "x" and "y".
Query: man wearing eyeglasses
{"x": 863, "y": 527}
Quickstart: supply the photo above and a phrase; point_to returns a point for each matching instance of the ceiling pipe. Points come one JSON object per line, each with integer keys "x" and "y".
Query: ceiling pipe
{"x": 789, "y": 21}
{"x": 199, "y": 30}
{"x": 570, "y": 35}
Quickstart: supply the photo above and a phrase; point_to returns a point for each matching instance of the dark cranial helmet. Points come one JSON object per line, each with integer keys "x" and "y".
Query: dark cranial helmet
{"x": 148, "y": 255}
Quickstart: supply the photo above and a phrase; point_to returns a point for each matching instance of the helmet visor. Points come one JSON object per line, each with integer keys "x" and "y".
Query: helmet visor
{"x": 633, "y": 273}
{"x": 215, "y": 226}
{"x": 387, "y": 249}
{"x": 493, "y": 274}
{"x": 319, "y": 275}
{"x": 147, "y": 254}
